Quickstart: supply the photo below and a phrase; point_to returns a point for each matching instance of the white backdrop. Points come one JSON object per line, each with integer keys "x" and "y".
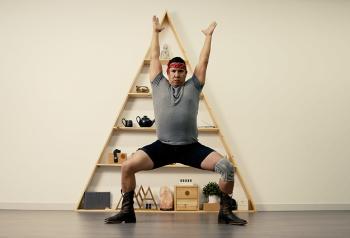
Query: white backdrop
{"x": 278, "y": 82}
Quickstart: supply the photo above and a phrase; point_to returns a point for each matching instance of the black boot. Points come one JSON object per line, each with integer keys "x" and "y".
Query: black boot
{"x": 227, "y": 204}
{"x": 233, "y": 204}
{"x": 127, "y": 213}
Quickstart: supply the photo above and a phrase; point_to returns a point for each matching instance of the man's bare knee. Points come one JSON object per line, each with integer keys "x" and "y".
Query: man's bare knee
{"x": 137, "y": 162}
{"x": 209, "y": 162}
{"x": 126, "y": 167}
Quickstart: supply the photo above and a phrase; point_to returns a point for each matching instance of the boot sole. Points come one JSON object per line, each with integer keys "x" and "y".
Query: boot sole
{"x": 118, "y": 222}
{"x": 232, "y": 223}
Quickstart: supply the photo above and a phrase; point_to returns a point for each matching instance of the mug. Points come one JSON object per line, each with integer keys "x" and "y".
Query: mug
{"x": 122, "y": 158}
{"x": 127, "y": 123}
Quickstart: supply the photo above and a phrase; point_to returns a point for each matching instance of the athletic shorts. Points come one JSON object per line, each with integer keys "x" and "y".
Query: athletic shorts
{"x": 163, "y": 154}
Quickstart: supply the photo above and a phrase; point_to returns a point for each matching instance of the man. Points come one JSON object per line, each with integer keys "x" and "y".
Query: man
{"x": 176, "y": 107}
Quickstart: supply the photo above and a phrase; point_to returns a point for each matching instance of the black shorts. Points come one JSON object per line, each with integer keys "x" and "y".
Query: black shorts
{"x": 163, "y": 154}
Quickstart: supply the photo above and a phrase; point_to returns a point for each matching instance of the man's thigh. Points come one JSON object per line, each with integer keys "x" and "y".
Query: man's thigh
{"x": 139, "y": 161}
{"x": 194, "y": 154}
{"x": 161, "y": 154}
{"x": 210, "y": 161}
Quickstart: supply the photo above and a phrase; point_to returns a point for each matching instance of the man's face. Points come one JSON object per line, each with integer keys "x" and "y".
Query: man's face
{"x": 177, "y": 76}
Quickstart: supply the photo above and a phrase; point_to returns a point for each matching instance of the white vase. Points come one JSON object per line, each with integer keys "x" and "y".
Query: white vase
{"x": 213, "y": 199}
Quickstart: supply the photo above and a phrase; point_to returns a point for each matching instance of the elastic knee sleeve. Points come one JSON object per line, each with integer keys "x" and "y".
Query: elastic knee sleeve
{"x": 225, "y": 168}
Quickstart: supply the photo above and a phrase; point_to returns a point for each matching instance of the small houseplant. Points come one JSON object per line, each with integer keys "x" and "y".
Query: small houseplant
{"x": 212, "y": 191}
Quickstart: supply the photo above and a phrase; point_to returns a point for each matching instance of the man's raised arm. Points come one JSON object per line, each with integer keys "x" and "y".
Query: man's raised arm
{"x": 156, "y": 66}
{"x": 201, "y": 67}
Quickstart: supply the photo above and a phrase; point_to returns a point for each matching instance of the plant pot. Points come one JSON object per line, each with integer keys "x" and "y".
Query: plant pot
{"x": 214, "y": 199}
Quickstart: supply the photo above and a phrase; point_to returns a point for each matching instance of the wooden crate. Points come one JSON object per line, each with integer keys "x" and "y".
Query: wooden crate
{"x": 211, "y": 206}
{"x": 186, "y": 198}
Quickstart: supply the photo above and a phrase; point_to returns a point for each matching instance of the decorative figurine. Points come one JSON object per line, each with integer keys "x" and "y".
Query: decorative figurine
{"x": 164, "y": 54}
{"x": 145, "y": 200}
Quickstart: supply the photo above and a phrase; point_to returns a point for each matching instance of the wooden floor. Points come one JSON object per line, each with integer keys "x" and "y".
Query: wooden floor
{"x": 261, "y": 224}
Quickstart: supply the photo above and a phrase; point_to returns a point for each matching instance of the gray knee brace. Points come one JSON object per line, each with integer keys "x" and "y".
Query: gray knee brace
{"x": 225, "y": 168}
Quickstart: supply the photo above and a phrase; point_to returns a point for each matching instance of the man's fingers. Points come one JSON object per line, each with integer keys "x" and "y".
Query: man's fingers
{"x": 155, "y": 19}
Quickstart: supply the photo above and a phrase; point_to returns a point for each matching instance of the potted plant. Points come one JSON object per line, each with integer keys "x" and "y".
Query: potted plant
{"x": 212, "y": 191}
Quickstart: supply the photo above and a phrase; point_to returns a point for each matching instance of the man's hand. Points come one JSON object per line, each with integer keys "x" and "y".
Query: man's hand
{"x": 201, "y": 68}
{"x": 155, "y": 65}
{"x": 156, "y": 25}
{"x": 209, "y": 31}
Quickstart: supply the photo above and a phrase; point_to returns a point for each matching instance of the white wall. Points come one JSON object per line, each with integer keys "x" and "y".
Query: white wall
{"x": 278, "y": 82}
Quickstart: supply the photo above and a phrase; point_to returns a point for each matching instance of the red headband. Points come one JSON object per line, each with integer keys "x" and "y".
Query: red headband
{"x": 176, "y": 65}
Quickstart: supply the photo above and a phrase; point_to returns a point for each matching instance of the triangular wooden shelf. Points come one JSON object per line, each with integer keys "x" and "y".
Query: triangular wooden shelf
{"x": 133, "y": 95}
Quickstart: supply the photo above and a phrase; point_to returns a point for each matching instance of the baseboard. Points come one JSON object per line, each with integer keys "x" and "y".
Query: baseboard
{"x": 259, "y": 207}
{"x": 37, "y": 206}
{"x": 302, "y": 207}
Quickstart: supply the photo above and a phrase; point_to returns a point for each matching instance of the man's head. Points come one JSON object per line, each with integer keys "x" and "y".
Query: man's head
{"x": 176, "y": 71}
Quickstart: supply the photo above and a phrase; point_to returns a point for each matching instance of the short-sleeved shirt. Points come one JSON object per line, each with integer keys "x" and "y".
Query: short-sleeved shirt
{"x": 176, "y": 110}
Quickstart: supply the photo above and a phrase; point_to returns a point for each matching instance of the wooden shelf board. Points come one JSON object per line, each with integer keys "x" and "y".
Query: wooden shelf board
{"x": 157, "y": 211}
{"x": 178, "y": 165}
{"x": 147, "y": 95}
{"x": 108, "y": 165}
{"x": 144, "y": 129}
{"x": 162, "y": 61}
{"x": 208, "y": 129}
{"x": 140, "y": 95}
{"x": 153, "y": 129}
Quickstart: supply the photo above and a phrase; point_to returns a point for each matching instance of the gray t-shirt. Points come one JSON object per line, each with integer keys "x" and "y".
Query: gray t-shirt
{"x": 176, "y": 110}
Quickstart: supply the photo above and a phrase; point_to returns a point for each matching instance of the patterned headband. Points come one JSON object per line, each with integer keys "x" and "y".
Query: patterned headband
{"x": 176, "y": 65}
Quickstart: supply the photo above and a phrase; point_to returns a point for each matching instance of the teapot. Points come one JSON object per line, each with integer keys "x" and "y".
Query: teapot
{"x": 144, "y": 121}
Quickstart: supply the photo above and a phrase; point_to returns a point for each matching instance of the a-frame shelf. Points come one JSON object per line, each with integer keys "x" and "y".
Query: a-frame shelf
{"x": 118, "y": 130}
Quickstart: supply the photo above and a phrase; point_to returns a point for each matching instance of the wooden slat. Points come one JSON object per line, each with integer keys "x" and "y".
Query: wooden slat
{"x": 163, "y": 62}
{"x": 170, "y": 21}
{"x": 251, "y": 204}
{"x": 140, "y": 95}
{"x": 178, "y": 165}
{"x": 155, "y": 211}
{"x": 153, "y": 129}
{"x": 148, "y": 95}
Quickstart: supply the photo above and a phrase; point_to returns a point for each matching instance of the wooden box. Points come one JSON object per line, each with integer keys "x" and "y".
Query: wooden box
{"x": 211, "y": 206}
{"x": 186, "y": 198}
